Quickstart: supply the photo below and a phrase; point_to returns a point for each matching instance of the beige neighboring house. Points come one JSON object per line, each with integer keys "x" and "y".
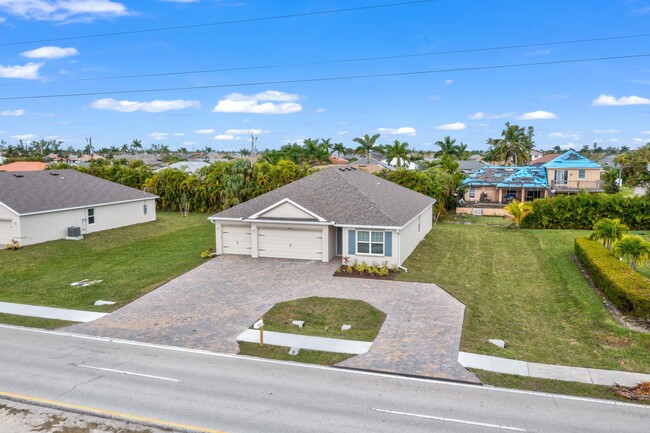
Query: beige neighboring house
{"x": 333, "y": 214}
{"x": 40, "y": 206}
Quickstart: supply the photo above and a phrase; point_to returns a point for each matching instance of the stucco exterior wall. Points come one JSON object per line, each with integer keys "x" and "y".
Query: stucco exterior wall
{"x": 491, "y": 191}
{"x": 411, "y": 235}
{"x": 12, "y": 221}
{"x": 370, "y": 258}
{"x": 481, "y": 211}
{"x": 54, "y": 225}
{"x": 331, "y": 237}
{"x": 591, "y": 175}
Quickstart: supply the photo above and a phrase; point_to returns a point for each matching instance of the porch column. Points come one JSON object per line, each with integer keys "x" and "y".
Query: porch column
{"x": 523, "y": 195}
{"x": 500, "y": 192}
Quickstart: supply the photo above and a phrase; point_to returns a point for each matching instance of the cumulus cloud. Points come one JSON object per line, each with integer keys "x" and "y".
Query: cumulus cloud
{"x": 605, "y": 131}
{"x": 320, "y": 110}
{"x": 24, "y": 136}
{"x": 158, "y": 135}
{"x": 26, "y": 72}
{"x": 449, "y": 82}
{"x": 226, "y": 137}
{"x": 479, "y": 115}
{"x": 156, "y": 106}
{"x": 610, "y": 100}
{"x": 538, "y": 115}
{"x": 456, "y": 126}
{"x": 60, "y": 10}
{"x": 268, "y": 102}
{"x": 204, "y": 131}
{"x": 247, "y": 131}
{"x": 341, "y": 133}
{"x": 646, "y": 132}
{"x": 179, "y": 134}
{"x": 575, "y": 136}
{"x": 404, "y": 130}
{"x": 12, "y": 113}
{"x": 50, "y": 52}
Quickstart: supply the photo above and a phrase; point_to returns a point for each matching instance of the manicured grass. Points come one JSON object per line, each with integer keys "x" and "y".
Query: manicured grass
{"x": 481, "y": 220}
{"x": 550, "y": 386}
{"x": 131, "y": 261}
{"x": 282, "y": 353}
{"x": 324, "y": 317}
{"x": 33, "y": 322}
{"x": 522, "y": 286}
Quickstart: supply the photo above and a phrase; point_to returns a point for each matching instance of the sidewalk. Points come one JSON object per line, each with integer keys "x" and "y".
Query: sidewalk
{"x": 547, "y": 371}
{"x": 49, "y": 313}
{"x": 306, "y": 342}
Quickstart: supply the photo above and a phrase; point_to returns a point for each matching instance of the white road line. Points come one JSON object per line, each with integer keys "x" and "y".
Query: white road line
{"x": 459, "y": 421}
{"x": 322, "y": 367}
{"x": 130, "y": 373}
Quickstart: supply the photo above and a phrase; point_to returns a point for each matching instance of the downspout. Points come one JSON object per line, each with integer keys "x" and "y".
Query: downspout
{"x": 399, "y": 252}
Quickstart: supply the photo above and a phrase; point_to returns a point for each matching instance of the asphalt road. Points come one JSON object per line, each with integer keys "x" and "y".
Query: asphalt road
{"x": 213, "y": 392}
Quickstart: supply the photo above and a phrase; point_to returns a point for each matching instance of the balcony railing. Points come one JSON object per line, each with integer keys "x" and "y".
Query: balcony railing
{"x": 589, "y": 185}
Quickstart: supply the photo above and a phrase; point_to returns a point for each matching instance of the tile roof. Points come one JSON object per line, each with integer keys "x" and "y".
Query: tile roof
{"x": 504, "y": 177}
{"x": 544, "y": 159}
{"x": 24, "y": 166}
{"x": 40, "y": 191}
{"x": 343, "y": 195}
{"x": 571, "y": 159}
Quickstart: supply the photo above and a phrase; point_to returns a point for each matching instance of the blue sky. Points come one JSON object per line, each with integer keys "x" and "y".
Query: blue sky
{"x": 574, "y": 104}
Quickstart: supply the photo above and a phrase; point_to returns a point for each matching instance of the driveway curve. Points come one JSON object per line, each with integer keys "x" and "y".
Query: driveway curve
{"x": 208, "y": 307}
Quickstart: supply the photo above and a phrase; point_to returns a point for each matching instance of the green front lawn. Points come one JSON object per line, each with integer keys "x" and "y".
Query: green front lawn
{"x": 282, "y": 354}
{"x": 523, "y": 287}
{"x": 324, "y": 317}
{"x": 130, "y": 261}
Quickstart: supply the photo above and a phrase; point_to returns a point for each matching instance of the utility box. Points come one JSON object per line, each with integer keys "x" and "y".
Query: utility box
{"x": 74, "y": 232}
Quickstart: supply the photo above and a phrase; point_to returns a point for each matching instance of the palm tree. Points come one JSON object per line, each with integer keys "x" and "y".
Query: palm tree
{"x": 135, "y": 145}
{"x": 366, "y": 145}
{"x": 609, "y": 231}
{"x": 447, "y": 146}
{"x": 461, "y": 151}
{"x": 398, "y": 151}
{"x": 518, "y": 211}
{"x": 514, "y": 146}
{"x": 339, "y": 148}
{"x": 634, "y": 249}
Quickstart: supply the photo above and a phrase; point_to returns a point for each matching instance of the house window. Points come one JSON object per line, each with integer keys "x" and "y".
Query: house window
{"x": 370, "y": 242}
{"x": 472, "y": 192}
{"x": 582, "y": 174}
{"x": 91, "y": 216}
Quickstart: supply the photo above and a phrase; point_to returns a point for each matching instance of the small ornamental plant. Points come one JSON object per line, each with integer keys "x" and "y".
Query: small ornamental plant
{"x": 206, "y": 254}
{"x": 14, "y": 245}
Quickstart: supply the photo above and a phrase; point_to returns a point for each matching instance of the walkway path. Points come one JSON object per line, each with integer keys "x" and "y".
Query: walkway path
{"x": 49, "y": 312}
{"x": 306, "y": 342}
{"x": 547, "y": 371}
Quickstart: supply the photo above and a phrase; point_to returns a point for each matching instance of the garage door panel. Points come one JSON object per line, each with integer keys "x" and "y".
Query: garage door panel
{"x": 236, "y": 240}
{"x": 290, "y": 243}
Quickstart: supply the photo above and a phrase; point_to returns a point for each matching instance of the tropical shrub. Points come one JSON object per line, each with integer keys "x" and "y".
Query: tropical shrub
{"x": 13, "y": 245}
{"x": 518, "y": 211}
{"x": 609, "y": 231}
{"x": 633, "y": 249}
{"x": 623, "y": 286}
{"x": 584, "y": 210}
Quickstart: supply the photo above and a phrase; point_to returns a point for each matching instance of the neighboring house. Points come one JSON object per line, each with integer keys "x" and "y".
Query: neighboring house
{"x": 470, "y": 166}
{"x": 408, "y": 165}
{"x": 534, "y": 155}
{"x": 190, "y": 167}
{"x": 565, "y": 174}
{"x": 544, "y": 159}
{"x": 608, "y": 161}
{"x": 24, "y": 166}
{"x": 40, "y": 206}
{"x": 338, "y": 160}
{"x": 336, "y": 212}
{"x": 147, "y": 158}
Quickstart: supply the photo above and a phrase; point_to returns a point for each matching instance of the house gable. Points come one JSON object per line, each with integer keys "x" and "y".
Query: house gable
{"x": 287, "y": 210}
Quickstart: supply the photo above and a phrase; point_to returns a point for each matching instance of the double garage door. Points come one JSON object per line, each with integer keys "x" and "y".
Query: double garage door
{"x": 288, "y": 243}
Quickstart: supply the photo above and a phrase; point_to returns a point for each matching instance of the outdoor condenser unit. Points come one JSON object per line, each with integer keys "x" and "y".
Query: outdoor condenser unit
{"x": 74, "y": 232}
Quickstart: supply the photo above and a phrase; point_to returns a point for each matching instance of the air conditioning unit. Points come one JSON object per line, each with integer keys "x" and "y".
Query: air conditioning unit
{"x": 74, "y": 232}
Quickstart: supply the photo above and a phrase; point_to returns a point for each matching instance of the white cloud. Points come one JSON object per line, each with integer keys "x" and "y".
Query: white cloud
{"x": 570, "y": 135}
{"x": 26, "y": 72}
{"x": 204, "y": 131}
{"x": 179, "y": 134}
{"x": 449, "y": 82}
{"x": 404, "y": 130}
{"x": 50, "y": 52}
{"x": 246, "y": 131}
{"x": 610, "y": 100}
{"x": 13, "y": 113}
{"x": 479, "y": 115}
{"x": 639, "y": 140}
{"x": 646, "y": 132}
{"x": 614, "y": 140}
{"x": 226, "y": 137}
{"x": 156, "y": 106}
{"x": 188, "y": 143}
{"x": 341, "y": 133}
{"x": 605, "y": 131}
{"x": 259, "y": 103}
{"x": 24, "y": 136}
{"x": 538, "y": 115}
{"x": 60, "y": 10}
{"x": 457, "y": 126}
{"x": 158, "y": 135}
{"x": 320, "y": 110}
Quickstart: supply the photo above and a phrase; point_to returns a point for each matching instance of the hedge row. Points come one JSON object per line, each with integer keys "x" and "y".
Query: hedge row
{"x": 623, "y": 286}
{"x": 582, "y": 211}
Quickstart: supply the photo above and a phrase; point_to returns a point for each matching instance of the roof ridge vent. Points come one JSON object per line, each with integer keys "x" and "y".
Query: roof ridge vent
{"x": 54, "y": 173}
{"x": 18, "y": 175}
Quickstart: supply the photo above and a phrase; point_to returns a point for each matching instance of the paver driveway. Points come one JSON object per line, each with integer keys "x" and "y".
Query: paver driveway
{"x": 209, "y": 306}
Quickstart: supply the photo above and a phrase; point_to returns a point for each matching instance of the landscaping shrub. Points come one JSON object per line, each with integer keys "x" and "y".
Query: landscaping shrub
{"x": 623, "y": 286}
{"x": 583, "y": 210}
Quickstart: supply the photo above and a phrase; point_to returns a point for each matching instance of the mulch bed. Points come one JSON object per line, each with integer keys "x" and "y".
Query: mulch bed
{"x": 357, "y": 274}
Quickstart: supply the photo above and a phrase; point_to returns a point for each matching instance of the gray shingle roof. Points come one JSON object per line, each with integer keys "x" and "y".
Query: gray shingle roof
{"x": 40, "y": 191}
{"x": 345, "y": 196}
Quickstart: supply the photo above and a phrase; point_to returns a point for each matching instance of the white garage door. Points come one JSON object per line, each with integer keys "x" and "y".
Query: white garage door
{"x": 236, "y": 239}
{"x": 5, "y": 232}
{"x": 290, "y": 243}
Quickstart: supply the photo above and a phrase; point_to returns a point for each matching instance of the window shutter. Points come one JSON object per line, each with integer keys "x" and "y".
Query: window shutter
{"x": 351, "y": 242}
{"x": 388, "y": 244}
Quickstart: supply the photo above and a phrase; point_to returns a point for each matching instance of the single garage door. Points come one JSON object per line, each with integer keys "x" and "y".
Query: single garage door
{"x": 5, "y": 232}
{"x": 290, "y": 243}
{"x": 236, "y": 239}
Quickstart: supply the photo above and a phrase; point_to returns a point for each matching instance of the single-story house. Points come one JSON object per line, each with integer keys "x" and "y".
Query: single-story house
{"x": 189, "y": 167}
{"x": 24, "y": 166}
{"x": 40, "y": 206}
{"x": 336, "y": 212}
